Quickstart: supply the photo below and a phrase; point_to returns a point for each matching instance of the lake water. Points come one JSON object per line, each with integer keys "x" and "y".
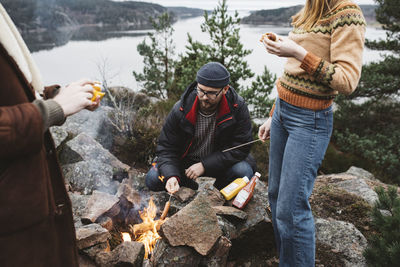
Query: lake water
{"x": 85, "y": 53}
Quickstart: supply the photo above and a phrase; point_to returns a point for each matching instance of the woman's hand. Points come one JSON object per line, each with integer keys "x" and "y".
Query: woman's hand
{"x": 284, "y": 47}
{"x": 76, "y": 96}
{"x": 264, "y": 130}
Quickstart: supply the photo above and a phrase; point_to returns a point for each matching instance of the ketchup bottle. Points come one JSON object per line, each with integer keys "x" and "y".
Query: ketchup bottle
{"x": 244, "y": 196}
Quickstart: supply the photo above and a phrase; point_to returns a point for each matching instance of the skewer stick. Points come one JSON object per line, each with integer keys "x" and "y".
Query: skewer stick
{"x": 245, "y": 144}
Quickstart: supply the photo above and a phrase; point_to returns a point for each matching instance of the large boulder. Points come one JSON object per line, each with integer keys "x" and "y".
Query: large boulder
{"x": 196, "y": 225}
{"x": 88, "y": 166}
{"x": 344, "y": 238}
{"x": 350, "y": 183}
{"x": 361, "y": 173}
{"x": 96, "y": 124}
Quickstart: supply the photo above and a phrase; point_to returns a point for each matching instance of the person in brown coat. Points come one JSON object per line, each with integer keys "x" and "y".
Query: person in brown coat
{"x": 36, "y": 225}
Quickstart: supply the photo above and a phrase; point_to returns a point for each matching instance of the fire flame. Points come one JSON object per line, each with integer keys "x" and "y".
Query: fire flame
{"x": 126, "y": 237}
{"x": 146, "y": 232}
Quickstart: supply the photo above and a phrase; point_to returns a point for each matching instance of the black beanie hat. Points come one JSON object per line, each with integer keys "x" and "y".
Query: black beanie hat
{"x": 213, "y": 74}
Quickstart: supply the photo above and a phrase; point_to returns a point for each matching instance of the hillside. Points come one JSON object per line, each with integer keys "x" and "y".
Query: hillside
{"x": 31, "y": 15}
{"x": 282, "y": 16}
{"x": 185, "y": 12}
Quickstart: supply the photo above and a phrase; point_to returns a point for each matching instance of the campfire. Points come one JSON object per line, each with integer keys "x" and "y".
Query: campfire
{"x": 147, "y": 231}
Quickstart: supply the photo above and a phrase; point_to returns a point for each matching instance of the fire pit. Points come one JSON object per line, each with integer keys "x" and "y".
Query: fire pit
{"x": 202, "y": 228}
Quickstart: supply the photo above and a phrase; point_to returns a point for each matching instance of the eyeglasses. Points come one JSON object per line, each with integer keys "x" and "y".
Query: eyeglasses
{"x": 210, "y": 95}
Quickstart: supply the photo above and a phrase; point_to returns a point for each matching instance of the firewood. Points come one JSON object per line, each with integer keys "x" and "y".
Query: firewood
{"x": 141, "y": 228}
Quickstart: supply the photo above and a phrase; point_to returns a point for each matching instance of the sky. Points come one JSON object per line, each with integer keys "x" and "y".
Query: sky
{"x": 237, "y": 4}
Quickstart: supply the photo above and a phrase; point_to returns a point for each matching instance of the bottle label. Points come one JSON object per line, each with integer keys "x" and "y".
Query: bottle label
{"x": 230, "y": 187}
{"x": 242, "y": 196}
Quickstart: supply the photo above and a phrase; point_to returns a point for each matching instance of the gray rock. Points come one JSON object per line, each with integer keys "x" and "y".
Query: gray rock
{"x": 205, "y": 181}
{"x": 98, "y": 204}
{"x": 184, "y": 194}
{"x": 90, "y": 235}
{"x": 256, "y": 233}
{"x": 165, "y": 255}
{"x": 95, "y": 124}
{"x": 359, "y": 187}
{"x": 89, "y": 149}
{"x": 219, "y": 255}
{"x": 256, "y": 210}
{"x": 79, "y": 203}
{"x": 87, "y": 176}
{"x": 126, "y": 190}
{"x": 196, "y": 225}
{"x": 228, "y": 212}
{"x": 229, "y": 229}
{"x": 129, "y": 254}
{"x": 361, "y": 173}
{"x": 87, "y": 166}
{"x": 59, "y": 135}
{"x": 212, "y": 194}
{"x": 343, "y": 237}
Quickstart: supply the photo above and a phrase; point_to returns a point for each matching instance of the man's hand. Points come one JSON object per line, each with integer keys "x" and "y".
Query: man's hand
{"x": 194, "y": 171}
{"x": 76, "y": 96}
{"x": 172, "y": 185}
{"x": 264, "y": 130}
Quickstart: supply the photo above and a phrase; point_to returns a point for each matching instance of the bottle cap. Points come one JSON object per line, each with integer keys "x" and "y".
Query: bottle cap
{"x": 257, "y": 174}
{"x": 246, "y": 179}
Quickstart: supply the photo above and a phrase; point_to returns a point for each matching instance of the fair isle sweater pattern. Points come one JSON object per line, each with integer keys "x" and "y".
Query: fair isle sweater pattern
{"x": 316, "y": 82}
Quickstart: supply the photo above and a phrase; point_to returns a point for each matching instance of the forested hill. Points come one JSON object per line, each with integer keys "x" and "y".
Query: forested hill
{"x": 54, "y": 14}
{"x": 282, "y": 16}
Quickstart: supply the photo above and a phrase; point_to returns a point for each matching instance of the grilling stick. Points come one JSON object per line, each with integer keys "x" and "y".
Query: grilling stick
{"x": 245, "y": 144}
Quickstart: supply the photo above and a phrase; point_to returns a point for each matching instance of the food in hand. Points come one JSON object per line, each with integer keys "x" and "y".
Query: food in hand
{"x": 97, "y": 91}
{"x": 269, "y": 35}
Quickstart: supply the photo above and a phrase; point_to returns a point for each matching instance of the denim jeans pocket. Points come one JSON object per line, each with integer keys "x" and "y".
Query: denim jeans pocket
{"x": 328, "y": 115}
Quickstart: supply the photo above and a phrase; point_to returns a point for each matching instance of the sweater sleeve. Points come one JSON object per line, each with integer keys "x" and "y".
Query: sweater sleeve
{"x": 51, "y": 111}
{"x": 343, "y": 71}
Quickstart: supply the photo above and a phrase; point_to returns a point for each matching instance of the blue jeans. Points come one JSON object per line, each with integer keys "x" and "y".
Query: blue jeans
{"x": 239, "y": 169}
{"x": 299, "y": 139}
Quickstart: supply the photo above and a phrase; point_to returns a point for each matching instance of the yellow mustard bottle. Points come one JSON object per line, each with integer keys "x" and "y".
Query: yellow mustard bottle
{"x": 233, "y": 188}
{"x": 97, "y": 91}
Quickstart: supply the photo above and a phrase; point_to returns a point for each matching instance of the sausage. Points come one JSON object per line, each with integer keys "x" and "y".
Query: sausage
{"x": 269, "y": 35}
{"x": 165, "y": 211}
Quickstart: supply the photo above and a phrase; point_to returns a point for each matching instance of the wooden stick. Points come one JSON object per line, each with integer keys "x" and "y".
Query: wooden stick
{"x": 245, "y": 144}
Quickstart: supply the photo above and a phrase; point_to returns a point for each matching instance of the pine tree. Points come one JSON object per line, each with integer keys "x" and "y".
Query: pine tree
{"x": 384, "y": 247}
{"x": 257, "y": 95}
{"x": 367, "y": 122}
{"x": 225, "y": 47}
{"x": 156, "y": 79}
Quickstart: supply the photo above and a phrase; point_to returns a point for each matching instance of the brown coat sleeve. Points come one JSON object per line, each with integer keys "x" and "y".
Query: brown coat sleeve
{"x": 21, "y": 130}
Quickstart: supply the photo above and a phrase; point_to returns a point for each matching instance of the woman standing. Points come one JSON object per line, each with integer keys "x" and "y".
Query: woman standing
{"x": 324, "y": 52}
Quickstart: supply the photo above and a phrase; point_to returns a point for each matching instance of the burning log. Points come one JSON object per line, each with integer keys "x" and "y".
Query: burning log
{"x": 141, "y": 228}
{"x": 147, "y": 231}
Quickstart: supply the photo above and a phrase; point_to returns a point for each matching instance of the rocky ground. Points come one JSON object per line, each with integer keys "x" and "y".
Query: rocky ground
{"x": 202, "y": 228}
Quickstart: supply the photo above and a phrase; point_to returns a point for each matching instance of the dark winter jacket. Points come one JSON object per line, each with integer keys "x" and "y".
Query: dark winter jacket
{"x": 233, "y": 127}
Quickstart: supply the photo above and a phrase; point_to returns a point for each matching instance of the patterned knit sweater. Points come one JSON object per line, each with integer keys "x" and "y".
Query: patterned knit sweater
{"x": 333, "y": 63}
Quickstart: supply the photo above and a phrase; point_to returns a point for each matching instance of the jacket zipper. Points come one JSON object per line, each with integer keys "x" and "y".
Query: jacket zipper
{"x": 187, "y": 150}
